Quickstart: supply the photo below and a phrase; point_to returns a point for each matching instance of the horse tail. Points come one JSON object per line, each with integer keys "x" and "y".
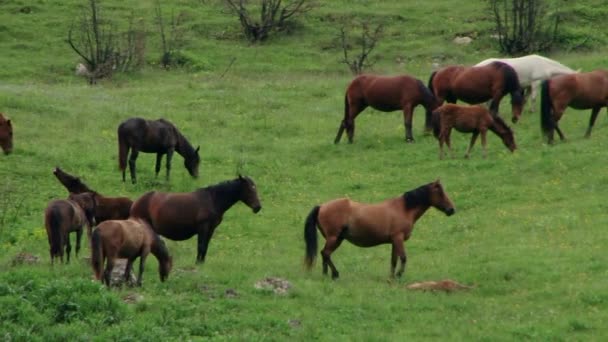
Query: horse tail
{"x": 123, "y": 149}
{"x": 310, "y": 236}
{"x": 96, "y": 253}
{"x": 436, "y": 123}
{"x": 343, "y": 123}
{"x": 54, "y": 227}
{"x": 511, "y": 84}
{"x": 430, "y": 103}
{"x": 546, "y": 118}
{"x": 430, "y": 84}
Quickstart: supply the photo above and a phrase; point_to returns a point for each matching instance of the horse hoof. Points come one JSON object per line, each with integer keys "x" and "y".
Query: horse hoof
{"x": 335, "y": 276}
{"x": 409, "y": 140}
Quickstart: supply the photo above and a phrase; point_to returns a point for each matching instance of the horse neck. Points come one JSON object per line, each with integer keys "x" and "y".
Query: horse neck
{"x": 184, "y": 148}
{"x": 225, "y": 195}
{"x": 498, "y": 128}
{"x": 417, "y": 201}
{"x": 158, "y": 248}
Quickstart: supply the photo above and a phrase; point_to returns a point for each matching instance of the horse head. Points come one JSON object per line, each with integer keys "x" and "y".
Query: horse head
{"x": 191, "y": 163}
{"x": 505, "y": 132}
{"x": 440, "y": 199}
{"x": 6, "y": 135}
{"x": 249, "y": 194}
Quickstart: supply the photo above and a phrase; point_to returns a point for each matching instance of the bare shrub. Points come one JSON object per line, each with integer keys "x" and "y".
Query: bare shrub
{"x": 171, "y": 35}
{"x": 364, "y": 43}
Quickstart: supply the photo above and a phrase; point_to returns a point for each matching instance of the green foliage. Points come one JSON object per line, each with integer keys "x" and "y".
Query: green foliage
{"x": 529, "y": 231}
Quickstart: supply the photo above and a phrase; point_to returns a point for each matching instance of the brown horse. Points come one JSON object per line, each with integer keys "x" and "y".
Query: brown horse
{"x": 587, "y": 90}
{"x": 386, "y": 94}
{"x": 154, "y": 136}
{"x": 367, "y": 225}
{"x": 469, "y": 119}
{"x": 61, "y": 217}
{"x": 129, "y": 239}
{"x": 179, "y": 216}
{"x": 476, "y": 85}
{"x": 6, "y": 135}
{"x": 106, "y": 208}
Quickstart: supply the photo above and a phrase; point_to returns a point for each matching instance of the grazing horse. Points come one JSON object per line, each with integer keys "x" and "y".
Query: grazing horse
{"x": 386, "y": 94}
{"x": 179, "y": 216}
{"x": 129, "y": 239}
{"x": 367, "y": 225}
{"x": 154, "y": 136}
{"x": 475, "y": 85}
{"x": 106, "y": 208}
{"x": 61, "y": 217}
{"x": 588, "y": 90}
{"x": 469, "y": 119}
{"x": 6, "y": 135}
{"x": 531, "y": 70}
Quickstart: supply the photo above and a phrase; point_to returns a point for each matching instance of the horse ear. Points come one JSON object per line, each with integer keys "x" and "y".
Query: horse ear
{"x": 8, "y": 122}
{"x": 240, "y": 176}
{"x": 198, "y": 148}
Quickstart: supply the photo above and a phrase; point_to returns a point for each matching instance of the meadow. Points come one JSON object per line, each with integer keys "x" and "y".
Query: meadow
{"x": 528, "y": 233}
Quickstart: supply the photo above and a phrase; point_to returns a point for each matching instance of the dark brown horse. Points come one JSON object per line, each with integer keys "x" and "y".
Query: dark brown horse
{"x": 386, "y": 94}
{"x": 154, "y": 136}
{"x": 469, "y": 119}
{"x": 179, "y": 216}
{"x": 6, "y": 135}
{"x": 475, "y": 85}
{"x": 61, "y": 217}
{"x": 129, "y": 239}
{"x": 588, "y": 90}
{"x": 367, "y": 225}
{"x": 106, "y": 208}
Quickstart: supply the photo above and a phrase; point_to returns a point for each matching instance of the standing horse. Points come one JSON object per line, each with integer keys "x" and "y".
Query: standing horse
{"x": 386, "y": 94}
{"x": 531, "y": 70}
{"x": 106, "y": 208}
{"x": 367, "y": 225}
{"x": 61, "y": 217}
{"x": 129, "y": 239}
{"x": 6, "y": 135}
{"x": 475, "y": 85}
{"x": 469, "y": 119}
{"x": 154, "y": 136}
{"x": 179, "y": 216}
{"x": 588, "y": 90}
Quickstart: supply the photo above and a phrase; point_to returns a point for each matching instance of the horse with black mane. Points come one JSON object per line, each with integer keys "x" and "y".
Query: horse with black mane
{"x": 154, "y": 136}
{"x": 367, "y": 225}
{"x": 475, "y": 85}
{"x": 6, "y": 135}
{"x": 179, "y": 216}
{"x": 105, "y": 208}
{"x": 386, "y": 94}
{"x": 588, "y": 90}
{"x": 62, "y": 217}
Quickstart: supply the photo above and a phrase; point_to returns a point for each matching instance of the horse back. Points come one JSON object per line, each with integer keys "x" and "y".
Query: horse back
{"x": 112, "y": 208}
{"x": 148, "y": 135}
{"x": 385, "y": 93}
{"x": 580, "y": 90}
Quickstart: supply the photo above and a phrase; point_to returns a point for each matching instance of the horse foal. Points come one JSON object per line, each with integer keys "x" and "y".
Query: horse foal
{"x": 61, "y": 217}
{"x": 129, "y": 239}
{"x": 469, "y": 119}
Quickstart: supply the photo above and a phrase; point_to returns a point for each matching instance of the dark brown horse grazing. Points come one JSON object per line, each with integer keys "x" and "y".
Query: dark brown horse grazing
{"x": 129, "y": 239}
{"x": 179, "y": 216}
{"x": 469, "y": 119}
{"x": 386, "y": 94}
{"x": 154, "y": 136}
{"x": 106, "y": 208}
{"x": 6, "y": 135}
{"x": 61, "y": 217}
{"x": 475, "y": 85}
{"x": 588, "y": 90}
{"x": 367, "y": 225}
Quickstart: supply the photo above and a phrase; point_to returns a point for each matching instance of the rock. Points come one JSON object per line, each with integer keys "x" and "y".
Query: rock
{"x": 117, "y": 278}
{"x": 231, "y": 293}
{"x": 463, "y": 40}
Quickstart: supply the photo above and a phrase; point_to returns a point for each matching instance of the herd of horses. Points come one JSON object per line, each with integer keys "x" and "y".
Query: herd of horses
{"x": 118, "y": 227}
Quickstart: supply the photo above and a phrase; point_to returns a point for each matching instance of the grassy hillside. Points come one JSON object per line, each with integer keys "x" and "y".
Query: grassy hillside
{"x": 529, "y": 231}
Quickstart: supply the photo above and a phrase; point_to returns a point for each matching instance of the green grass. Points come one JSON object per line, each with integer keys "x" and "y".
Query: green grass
{"x": 529, "y": 231}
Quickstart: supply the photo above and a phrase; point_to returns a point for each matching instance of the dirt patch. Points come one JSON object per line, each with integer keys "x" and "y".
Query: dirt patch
{"x": 446, "y": 285}
{"x": 25, "y": 258}
{"x": 277, "y": 285}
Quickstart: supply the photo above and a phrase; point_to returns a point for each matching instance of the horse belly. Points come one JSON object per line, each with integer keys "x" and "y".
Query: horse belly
{"x": 175, "y": 232}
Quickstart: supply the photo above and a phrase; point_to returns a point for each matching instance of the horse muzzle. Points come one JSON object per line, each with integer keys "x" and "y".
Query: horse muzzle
{"x": 256, "y": 209}
{"x": 449, "y": 211}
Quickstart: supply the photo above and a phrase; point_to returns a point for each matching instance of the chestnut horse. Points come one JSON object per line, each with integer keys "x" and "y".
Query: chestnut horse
{"x": 6, "y": 135}
{"x": 469, "y": 119}
{"x": 588, "y": 90}
{"x": 475, "y": 85}
{"x": 61, "y": 217}
{"x": 386, "y": 94}
{"x": 154, "y": 136}
{"x": 367, "y": 225}
{"x": 106, "y": 208}
{"x": 179, "y": 216}
{"x": 129, "y": 239}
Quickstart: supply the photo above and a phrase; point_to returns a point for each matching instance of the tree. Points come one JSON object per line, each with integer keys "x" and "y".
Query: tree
{"x": 366, "y": 42}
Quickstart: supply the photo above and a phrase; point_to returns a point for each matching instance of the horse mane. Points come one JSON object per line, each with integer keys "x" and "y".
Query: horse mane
{"x": 225, "y": 193}
{"x": 417, "y": 197}
{"x": 499, "y": 122}
{"x": 183, "y": 145}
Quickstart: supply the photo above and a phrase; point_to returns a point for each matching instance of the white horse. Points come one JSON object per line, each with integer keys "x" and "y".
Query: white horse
{"x": 531, "y": 71}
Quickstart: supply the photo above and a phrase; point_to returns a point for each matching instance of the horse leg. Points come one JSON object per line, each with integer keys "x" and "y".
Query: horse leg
{"x": 331, "y": 244}
{"x": 132, "y": 159}
{"x": 494, "y": 106}
{"x": 483, "y": 142}
{"x": 473, "y": 139}
{"x": 594, "y": 112}
{"x": 350, "y": 121}
{"x": 204, "y": 236}
{"x": 107, "y": 273}
{"x": 407, "y": 122}
{"x": 128, "y": 268}
{"x": 78, "y": 237}
{"x": 398, "y": 251}
{"x": 142, "y": 260}
{"x": 159, "y": 157}
{"x": 448, "y": 142}
{"x": 68, "y": 246}
{"x": 169, "y": 157}
{"x": 533, "y": 92}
